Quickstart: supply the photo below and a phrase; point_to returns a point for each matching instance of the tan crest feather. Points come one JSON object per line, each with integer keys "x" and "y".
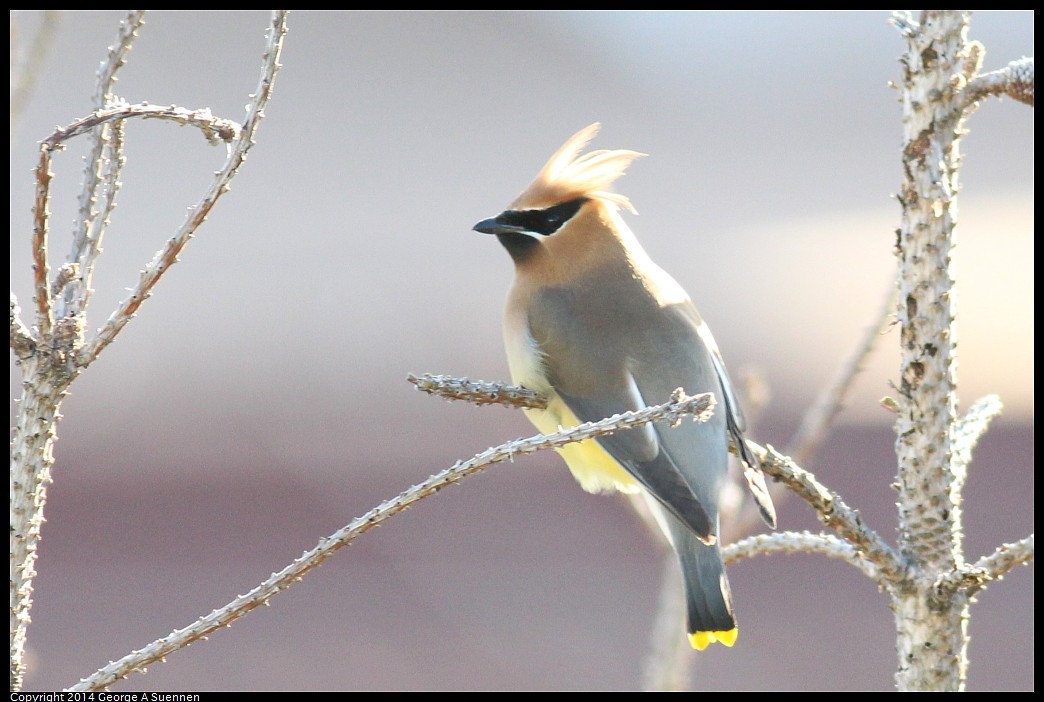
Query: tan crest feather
{"x": 567, "y": 175}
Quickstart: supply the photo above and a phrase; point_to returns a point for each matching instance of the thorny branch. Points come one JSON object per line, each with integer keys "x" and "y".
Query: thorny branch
{"x": 52, "y": 354}
{"x": 478, "y": 392}
{"x": 243, "y": 140}
{"x": 667, "y": 664}
{"x": 22, "y": 342}
{"x": 212, "y": 127}
{"x": 1014, "y": 80}
{"x": 804, "y": 542}
{"x": 101, "y": 172}
{"x": 816, "y": 421}
{"x": 215, "y": 129}
{"x": 976, "y": 576}
{"x": 970, "y": 429}
{"x": 831, "y": 508}
{"x": 833, "y": 512}
{"x": 698, "y": 407}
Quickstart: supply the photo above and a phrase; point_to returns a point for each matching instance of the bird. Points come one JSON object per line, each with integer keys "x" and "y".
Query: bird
{"x": 592, "y": 323}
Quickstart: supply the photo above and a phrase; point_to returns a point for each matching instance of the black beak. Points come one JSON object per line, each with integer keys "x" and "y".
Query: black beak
{"x": 494, "y": 225}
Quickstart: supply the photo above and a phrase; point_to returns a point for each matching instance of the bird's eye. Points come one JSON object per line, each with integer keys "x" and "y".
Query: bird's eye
{"x": 546, "y": 221}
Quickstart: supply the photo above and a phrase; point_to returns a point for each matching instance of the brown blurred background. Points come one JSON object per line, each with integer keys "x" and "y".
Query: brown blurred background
{"x": 258, "y": 402}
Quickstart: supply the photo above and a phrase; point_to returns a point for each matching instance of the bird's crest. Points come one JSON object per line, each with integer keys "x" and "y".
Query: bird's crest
{"x": 567, "y": 175}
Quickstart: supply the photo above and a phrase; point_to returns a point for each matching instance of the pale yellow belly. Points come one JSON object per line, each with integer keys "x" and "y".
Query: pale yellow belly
{"x": 593, "y": 468}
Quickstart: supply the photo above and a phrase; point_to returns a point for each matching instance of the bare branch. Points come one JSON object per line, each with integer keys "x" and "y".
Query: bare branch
{"x": 834, "y": 513}
{"x": 87, "y": 240}
{"x": 32, "y": 444}
{"x": 967, "y": 431}
{"x": 667, "y": 665}
{"x": 804, "y": 542}
{"x": 41, "y": 271}
{"x": 211, "y": 126}
{"x": 214, "y": 128}
{"x": 102, "y": 168}
{"x": 1004, "y": 559}
{"x": 818, "y": 418}
{"x": 931, "y": 636}
{"x": 832, "y": 510}
{"x": 478, "y": 392}
{"x": 699, "y": 407}
{"x": 937, "y": 50}
{"x": 117, "y": 57}
{"x": 755, "y": 393}
{"x": 1014, "y": 80}
{"x": 67, "y": 272}
{"x": 970, "y": 429}
{"x": 168, "y": 255}
{"x": 976, "y": 576}
{"x": 54, "y": 361}
{"x": 22, "y": 342}
{"x": 828, "y": 404}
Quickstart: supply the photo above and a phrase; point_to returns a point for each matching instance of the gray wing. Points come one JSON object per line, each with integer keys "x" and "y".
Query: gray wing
{"x": 736, "y": 424}
{"x": 610, "y": 348}
{"x": 658, "y": 473}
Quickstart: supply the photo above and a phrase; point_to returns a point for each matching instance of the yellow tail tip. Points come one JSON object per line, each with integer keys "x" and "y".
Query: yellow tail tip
{"x": 702, "y": 639}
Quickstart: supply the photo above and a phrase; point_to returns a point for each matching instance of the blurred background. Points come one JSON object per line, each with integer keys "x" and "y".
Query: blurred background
{"x": 258, "y": 402}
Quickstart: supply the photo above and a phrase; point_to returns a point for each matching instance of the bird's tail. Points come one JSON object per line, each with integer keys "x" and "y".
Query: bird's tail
{"x": 707, "y": 594}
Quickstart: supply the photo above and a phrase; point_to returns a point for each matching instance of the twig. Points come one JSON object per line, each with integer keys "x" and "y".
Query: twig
{"x": 102, "y": 167}
{"x": 203, "y": 119}
{"x": 834, "y": 513}
{"x": 866, "y": 549}
{"x": 41, "y": 271}
{"x": 817, "y": 419}
{"x": 971, "y": 427}
{"x": 1014, "y": 80}
{"x": 87, "y": 248}
{"x": 117, "y": 58}
{"x": 214, "y": 128}
{"x": 1003, "y": 560}
{"x": 667, "y": 665}
{"x": 831, "y": 508}
{"x": 967, "y": 432}
{"x": 699, "y": 407}
{"x": 53, "y": 360}
{"x": 478, "y": 392}
{"x": 22, "y": 342}
{"x": 804, "y": 542}
{"x": 243, "y": 141}
{"x": 976, "y": 576}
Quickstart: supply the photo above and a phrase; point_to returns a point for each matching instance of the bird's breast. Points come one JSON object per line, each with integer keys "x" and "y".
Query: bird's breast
{"x": 590, "y": 464}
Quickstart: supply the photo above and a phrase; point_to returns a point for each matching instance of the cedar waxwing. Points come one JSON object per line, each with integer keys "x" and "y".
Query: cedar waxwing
{"x": 599, "y": 328}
